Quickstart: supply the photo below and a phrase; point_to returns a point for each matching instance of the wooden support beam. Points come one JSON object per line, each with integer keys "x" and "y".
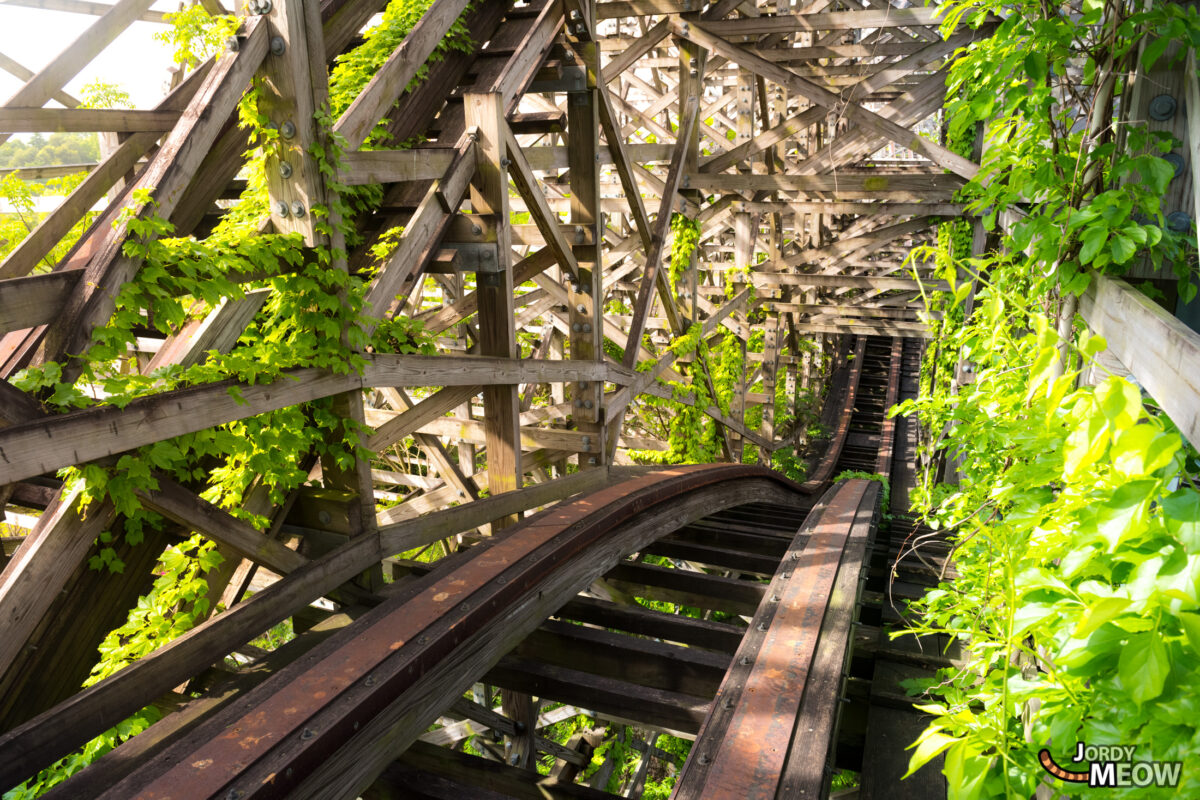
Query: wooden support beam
{"x": 394, "y": 76}
{"x": 847, "y": 281}
{"x": 1162, "y": 353}
{"x": 429, "y": 409}
{"x": 702, "y": 36}
{"x": 662, "y": 226}
{"x": 123, "y": 120}
{"x": 546, "y": 220}
{"x": 361, "y": 167}
{"x": 49, "y": 444}
{"x": 912, "y": 188}
{"x": 92, "y": 302}
{"x": 419, "y": 243}
{"x": 67, "y": 64}
{"x": 497, "y": 335}
{"x": 177, "y": 503}
{"x": 85, "y": 7}
{"x": 585, "y": 307}
{"x": 770, "y": 366}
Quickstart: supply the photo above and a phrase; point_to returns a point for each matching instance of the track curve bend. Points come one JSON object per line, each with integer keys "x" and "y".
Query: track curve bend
{"x": 329, "y": 724}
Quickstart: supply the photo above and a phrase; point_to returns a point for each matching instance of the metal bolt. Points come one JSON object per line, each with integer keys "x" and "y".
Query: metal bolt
{"x": 579, "y": 404}
{"x": 729, "y": 703}
{"x": 746, "y": 661}
{"x": 278, "y": 46}
{"x": 579, "y": 232}
{"x": 588, "y": 404}
{"x": 587, "y": 327}
{"x": 574, "y": 13}
{"x": 502, "y": 580}
{"x": 234, "y": 44}
{"x": 476, "y": 229}
{"x": 287, "y": 130}
{"x": 504, "y": 162}
{"x": 285, "y": 170}
{"x": 581, "y": 308}
{"x": 587, "y": 440}
{"x": 514, "y": 759}
{"x": 774, "y": 598}
{"x": 298, "y": 209}
{"x": 307, "y": 734}
{"x": 235, "y": 794}
{"x": 597, "y": 158}
{"x": 370, "y": 680}
{"x": 1179, "y": 221}
{"x": 762, "y": 626}
{"x": 575, "y": 326}
{"x": 704, "y": 758}
{"x": 569, "y": 56}
{"x": 282, "y": 209}
{"x": 1176, "y": 161}
{"x": 1163, "y": 107}
{"x": 583, "y": 384}
{"x": 422, "y": 639}
{"x": 287, "y": 773}
{"x": 592, "y": 461}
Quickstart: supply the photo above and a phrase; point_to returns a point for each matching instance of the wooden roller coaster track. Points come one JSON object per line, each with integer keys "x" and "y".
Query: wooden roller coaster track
{"x": 553, "y": 153}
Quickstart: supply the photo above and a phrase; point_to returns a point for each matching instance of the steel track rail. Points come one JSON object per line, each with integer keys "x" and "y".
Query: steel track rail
{"x": 328, "y": 725}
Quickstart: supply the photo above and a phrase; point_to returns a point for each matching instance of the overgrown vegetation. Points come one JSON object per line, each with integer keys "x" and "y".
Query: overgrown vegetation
{"x": 312, "y": 318}
{"x": 1077, "y": 518}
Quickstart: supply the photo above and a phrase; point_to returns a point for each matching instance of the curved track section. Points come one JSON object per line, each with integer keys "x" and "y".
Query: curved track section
{"x": 328, "y": 725}
{"x": 550, "y": 609}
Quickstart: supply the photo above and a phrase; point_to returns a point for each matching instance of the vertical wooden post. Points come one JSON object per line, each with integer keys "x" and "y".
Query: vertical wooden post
{"x": 585, "y": 298}
{"x": 497, "y": 333}
{"x": 737, "y": 405}
{"x": 769, "y": 367}
{"x": 743, "y": 241}
{"x": 293, "y": 88}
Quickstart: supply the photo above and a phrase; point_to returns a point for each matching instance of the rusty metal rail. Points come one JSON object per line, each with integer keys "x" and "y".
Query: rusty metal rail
{"x": 328, "y": 725}
{"x": 333, "y": 722}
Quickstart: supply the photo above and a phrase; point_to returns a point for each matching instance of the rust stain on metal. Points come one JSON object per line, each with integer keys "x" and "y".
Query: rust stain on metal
{"x": 749, "y": 762}
{"x": 419, "y": 631}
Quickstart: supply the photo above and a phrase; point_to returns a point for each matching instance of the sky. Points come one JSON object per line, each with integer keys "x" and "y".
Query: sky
{"x": 134, "y": 61}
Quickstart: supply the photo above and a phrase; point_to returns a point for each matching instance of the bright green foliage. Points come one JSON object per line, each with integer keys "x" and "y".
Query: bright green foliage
{"x": 312, "y": 318}
{"x": 177, "y": 601}
{"x": 1076, "y": 515}
{"x": 885, "y": 498}
{"x": 20, "y": 196}
{"x": 353, "y": 70}
{"x": 101, "y": 94}
{"x": 195, "y": 35}
{"x": 685, "y": 235}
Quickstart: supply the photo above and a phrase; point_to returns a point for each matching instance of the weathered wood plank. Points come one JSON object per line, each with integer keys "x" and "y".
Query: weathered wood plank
{"x": 361, "y": 167}
{"x": 53, "y": 734}
{"x": 1161, "y": 352}
{"x": 391, "y": 79}
{"x": 36, "y": 447}
{"x": 21, "y": 120}
{"x": 702, "y": 36}
{"x": 34, "y": 300}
